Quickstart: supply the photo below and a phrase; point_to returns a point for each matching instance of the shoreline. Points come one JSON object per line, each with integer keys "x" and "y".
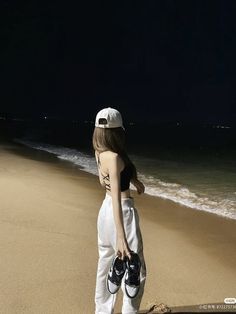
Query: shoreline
{"x": 182, "y": 202}
{"x": 189, "y": 253}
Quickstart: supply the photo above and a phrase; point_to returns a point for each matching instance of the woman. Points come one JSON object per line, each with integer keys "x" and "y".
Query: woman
{"x": 119, "y": 234}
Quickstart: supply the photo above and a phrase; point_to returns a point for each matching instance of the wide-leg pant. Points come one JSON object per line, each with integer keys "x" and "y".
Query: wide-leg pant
{"x": 104, "y": 301}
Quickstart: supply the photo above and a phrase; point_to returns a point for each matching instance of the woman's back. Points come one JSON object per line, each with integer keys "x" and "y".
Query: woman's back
{"x": 103, "y": 160}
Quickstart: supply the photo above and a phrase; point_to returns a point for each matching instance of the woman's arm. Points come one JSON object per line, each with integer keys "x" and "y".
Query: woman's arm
{"x": 114, "y": 167}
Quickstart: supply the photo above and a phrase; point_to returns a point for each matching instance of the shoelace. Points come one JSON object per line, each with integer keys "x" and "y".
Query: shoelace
{"x": 115, "y": 277}
{"x": 119, "y": 272}
{"x": 133, "y": 278}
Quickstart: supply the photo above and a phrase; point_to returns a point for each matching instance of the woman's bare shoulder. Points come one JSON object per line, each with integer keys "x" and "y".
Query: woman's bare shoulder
{"x": 111, "y": 158}
{"x": 109, "y": 154}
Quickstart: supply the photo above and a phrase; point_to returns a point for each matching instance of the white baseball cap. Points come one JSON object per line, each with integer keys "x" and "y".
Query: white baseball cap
{"x": 109, "y": 118}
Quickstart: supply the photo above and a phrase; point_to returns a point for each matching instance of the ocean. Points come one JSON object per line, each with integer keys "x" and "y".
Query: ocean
{"x": 193, "y": 165}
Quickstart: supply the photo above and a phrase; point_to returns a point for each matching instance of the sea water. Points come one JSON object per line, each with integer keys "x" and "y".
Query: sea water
{"x": 200, "y": 176}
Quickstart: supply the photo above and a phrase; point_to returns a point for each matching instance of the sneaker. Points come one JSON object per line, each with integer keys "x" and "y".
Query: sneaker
{"x": 115, "y": 274}
{"x": 132, "y": 277}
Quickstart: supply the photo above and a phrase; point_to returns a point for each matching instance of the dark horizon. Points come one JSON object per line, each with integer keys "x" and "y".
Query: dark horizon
{"x": 171, "y": 121}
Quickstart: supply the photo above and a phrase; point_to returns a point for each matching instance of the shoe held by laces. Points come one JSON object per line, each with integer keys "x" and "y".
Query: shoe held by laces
{"x": 115, "y": 274}
{"x": 132, "y": 277}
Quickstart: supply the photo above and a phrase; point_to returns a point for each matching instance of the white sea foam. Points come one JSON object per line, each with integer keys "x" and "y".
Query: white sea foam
{"x": 153, "y": 185}
{"x": 184, "y": 196}
{"x": 84, "y": 161}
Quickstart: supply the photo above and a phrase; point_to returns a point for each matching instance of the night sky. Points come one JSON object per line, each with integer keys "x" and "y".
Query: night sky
{"x": 152, "y": 60}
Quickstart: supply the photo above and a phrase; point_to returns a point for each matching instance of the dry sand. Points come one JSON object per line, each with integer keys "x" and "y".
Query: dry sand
{"x": 48, "y": 241}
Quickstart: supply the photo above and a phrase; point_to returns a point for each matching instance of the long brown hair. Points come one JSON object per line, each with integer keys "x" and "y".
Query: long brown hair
{"x": 113, "y": 139}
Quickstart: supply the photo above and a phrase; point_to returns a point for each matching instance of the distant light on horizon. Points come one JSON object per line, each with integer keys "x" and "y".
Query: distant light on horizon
{"x": 221, "y": 127}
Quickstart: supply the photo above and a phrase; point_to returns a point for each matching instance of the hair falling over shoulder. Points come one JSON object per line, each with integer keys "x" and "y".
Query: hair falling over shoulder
{"x": 112, "y": 139}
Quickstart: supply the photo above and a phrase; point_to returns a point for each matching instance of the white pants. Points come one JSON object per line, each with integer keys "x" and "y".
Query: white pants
{"x": 104, "y": 301}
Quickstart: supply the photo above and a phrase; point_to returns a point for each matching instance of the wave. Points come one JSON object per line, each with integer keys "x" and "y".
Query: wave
{"x": 153, "y": 185}
{"x": 182, "y": 195}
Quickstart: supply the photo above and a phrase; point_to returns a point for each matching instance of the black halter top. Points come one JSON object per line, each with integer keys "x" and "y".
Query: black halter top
{"x": 125, "y": 178}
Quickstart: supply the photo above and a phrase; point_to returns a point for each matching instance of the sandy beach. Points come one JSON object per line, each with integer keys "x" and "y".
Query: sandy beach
{"x": 48, "y": 241}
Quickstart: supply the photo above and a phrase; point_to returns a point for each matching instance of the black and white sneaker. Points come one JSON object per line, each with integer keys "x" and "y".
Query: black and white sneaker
{"x": 132, "y": 277}
{"x": 115, "y": 274}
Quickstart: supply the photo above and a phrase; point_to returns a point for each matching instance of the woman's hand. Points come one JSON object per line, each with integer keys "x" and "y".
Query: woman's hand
{"x": 122, "y": 248}
{"x": 139, "y": 186}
